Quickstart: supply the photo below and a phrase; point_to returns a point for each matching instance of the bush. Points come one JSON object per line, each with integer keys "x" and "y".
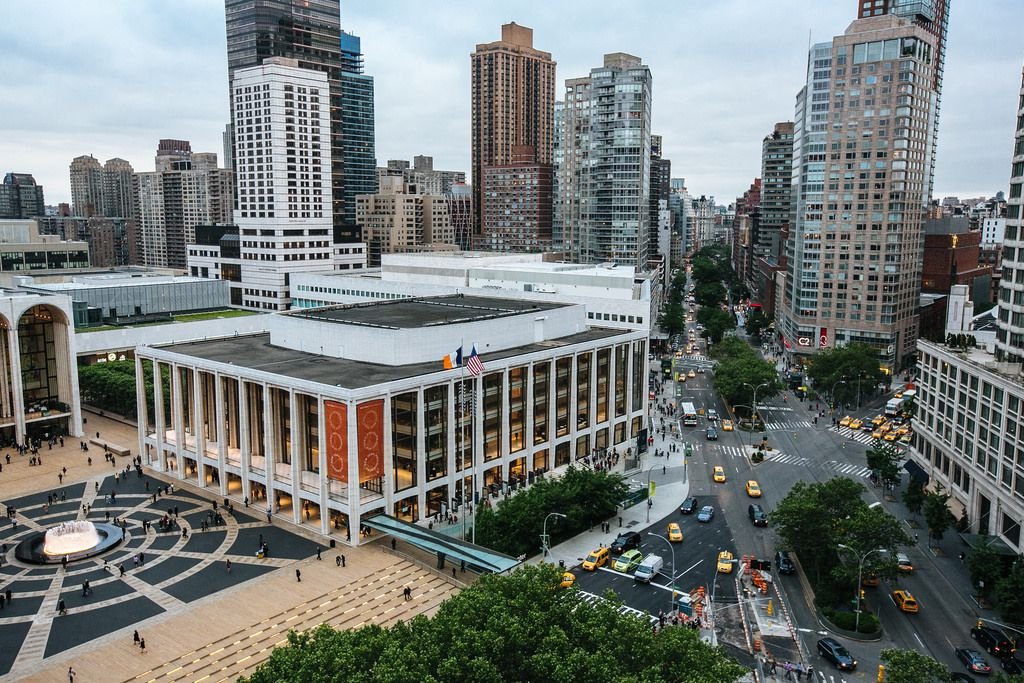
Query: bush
{"x": 848, "y": 620}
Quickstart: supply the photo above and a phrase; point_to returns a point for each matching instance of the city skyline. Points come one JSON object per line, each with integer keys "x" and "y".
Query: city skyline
{"x": 162, "y": 73}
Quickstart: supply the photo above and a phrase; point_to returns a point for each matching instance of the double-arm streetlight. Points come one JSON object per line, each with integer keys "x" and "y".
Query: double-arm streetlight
{"x": 860, "y": 571}
{"x": 753, "y": 415}
{"x": 672, "y": 603}
{"x": 544, "y": 539}
{"x": 832, "y": 393}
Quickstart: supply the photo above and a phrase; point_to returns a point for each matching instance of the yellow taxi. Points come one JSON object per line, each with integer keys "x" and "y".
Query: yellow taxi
{"x": 725, "y": 562}
{"x": 907, "y": 438}
{"x": 691, "y": 374}
{"x": 878, "y": 433}
{"x": 845, "y": 422}
{"x": 878, "y": 420}
{"x": 596, "y": 558}
{"x": 568, "y": 579}
{"x": 891, "y": 436}
{"x": 902, "y": 429}
{"x": 675, "y": 534}
{"x": 898, "y": 394}
{"x": 726, "y": 425}
{"x": 718, "y": 474}
{"x": 753, "y": 489}
{"x": 856, "y": 423}
{"x": 905, "y": 602}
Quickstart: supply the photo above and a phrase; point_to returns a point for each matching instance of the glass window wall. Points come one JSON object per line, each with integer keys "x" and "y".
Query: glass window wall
{"x": 436, "y": 399}
{"x": 404, "y": 409}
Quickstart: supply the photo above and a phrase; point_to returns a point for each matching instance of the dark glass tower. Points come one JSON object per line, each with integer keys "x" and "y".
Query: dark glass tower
{"x": 359, "y": 149}
{"x": 310, "y": 32}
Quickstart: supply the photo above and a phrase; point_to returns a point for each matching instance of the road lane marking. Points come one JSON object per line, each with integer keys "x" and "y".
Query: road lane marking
{"x": 687, "y": 570}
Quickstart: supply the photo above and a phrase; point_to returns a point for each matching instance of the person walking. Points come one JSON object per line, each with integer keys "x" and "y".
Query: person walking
{"x": 318, "y": 553}
{"x": 298, "y": 576}
{"x": 135, "y": 638}
{"x": 227, "y": 565}
{"x": 71, "y": 675}
{"x": 142, "y": 645}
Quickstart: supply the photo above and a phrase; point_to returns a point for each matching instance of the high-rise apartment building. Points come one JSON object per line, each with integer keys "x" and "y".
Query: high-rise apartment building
{"x": 863, "y": 160}
{"x": 119, "y": 192}
{"x": 661, "y": 176}
{"x": 21, "y": 197}
{"x": 517, "y": 204}
{"x": 513, "y": 97}
{"x": 460, "y": 212}
{"x": 186, "y": 190}
{"x": 604, "y": 181}
{"x": 776, "y": 190}
{"x": 359, "y": 158}
{"x": 422, "y": 174}
{"x": 86, "y": 186}
{"x": 308, "y": 31}
{"x": 398, "y": 219}
{"x": 1010, "y": 314}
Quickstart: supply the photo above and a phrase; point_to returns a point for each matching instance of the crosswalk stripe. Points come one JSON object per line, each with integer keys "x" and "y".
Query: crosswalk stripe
{"x": 795, "y": 424}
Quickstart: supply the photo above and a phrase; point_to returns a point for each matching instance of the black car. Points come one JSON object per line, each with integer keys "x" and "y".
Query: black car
{"x": 973, "y": 661}
{"x": 1013, "y": 666}
{"x": 712, "y": 434}
{"x": 832, "y": 650}
{"x": 689, "y": 506}
{"x": 784, "y": 563}
{"x": 758, "y": 517}
{"x": 994, "y": 641}
{"x": 627, "y": 540}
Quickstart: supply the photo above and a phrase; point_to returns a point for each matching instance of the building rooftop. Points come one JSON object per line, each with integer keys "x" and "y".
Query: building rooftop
{"x": 427, "y": 312}
{"x": 257, "y": 353}
{"x": 107, "y": 280}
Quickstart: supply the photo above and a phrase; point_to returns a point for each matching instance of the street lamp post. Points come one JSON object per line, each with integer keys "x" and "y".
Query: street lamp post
{"x": 544, "y": 534}
{"x": 650, "y": 501}
{"x": 860, "y": 572}
{"x": 754, "y": 407}
{"x": 672, "y": 599}
{"x": 832, "y": 393}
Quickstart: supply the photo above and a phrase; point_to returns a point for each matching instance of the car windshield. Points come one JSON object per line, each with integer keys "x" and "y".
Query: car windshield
{"x": 592, "y": 557}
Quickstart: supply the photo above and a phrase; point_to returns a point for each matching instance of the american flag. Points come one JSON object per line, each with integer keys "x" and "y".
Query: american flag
{"x": 474, "y": 365}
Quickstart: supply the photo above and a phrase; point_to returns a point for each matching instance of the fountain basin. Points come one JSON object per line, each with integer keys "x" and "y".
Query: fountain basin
{"x": 72, "y": 542}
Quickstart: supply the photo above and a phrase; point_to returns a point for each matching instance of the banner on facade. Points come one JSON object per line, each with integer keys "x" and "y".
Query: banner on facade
{"x": 336, "y": 420}
{"x": 370, "y": 432}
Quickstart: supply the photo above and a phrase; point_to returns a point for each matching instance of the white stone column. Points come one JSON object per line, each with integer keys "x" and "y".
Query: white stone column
{"x": 324, "y": 484}
{"x": 198, "y": 427}
{"x": 421, "y": 452}
{"x": 17, "y": 387}
{"x": 454, "y": 440}
{"x": 220, "y": 419}
{"x": 296, "y": 467}
{"x": 352, "y": 442}
{"x": 177, "y": 416}
{"x": 245, "y": 452}
{"x": 269, "y": 447}
{"x": 159, "y": 419}
{"x": 140, "y": 405}
{"x": 503, "y": 443}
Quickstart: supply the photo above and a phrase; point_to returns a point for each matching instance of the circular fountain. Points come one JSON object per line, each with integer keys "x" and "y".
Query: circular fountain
{"x": 72, "y": 540}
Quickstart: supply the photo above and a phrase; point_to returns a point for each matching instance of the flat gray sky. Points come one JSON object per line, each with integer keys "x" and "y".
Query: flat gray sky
{"x": 111, "y": 77}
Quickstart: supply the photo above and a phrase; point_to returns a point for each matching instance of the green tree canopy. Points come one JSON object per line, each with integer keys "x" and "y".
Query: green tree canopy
{"x": 846, "y": 364}
{"x": 911, "y": 666}
{"x": 710, "y": 294}
{"x": 716, "y": 322}
{"x": 913, "y": 496}
{"x": 985, "y": 566}
{"x": 884, "y": 457}
{"x": 585, "y": 497}
{"x": 1009, "y": 593}
{"x": 936, "y": 512}
{"x": 755, "y": 324}
{"x": 519, "y": 627}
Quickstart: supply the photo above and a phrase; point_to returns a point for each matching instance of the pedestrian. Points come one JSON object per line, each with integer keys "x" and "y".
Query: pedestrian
{"x": 142, "y": 645}
{"x": 337, "y": 561}
{"x": 342, "y": 560}
{"x": 298, "y": 576}
{"x": 269, "y": 521}
{"x": 71, "y": 675}
{"x": 9, "y": 594}
{"x": 135, "y": 638}
{"x": 394, "y": 543}
{"x": 61, "y": 608}
{"x": 2, "y": 600}
{"x": 810, "y": 672}
{"x": 318, "y": 553}
{"x": 407, "y": 593}
{"x": 227, "y": 565}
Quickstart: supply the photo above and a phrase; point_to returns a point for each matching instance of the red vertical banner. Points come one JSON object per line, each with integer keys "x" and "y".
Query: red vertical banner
{"x": 822, "y": 337}
{"x": 370, "y": 432}
{"x": 336, "y": 422}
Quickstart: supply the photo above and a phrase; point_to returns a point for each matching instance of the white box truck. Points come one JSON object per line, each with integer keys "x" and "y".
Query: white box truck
{"x": 894, "y": 406}
{"x": 649, "y": 568}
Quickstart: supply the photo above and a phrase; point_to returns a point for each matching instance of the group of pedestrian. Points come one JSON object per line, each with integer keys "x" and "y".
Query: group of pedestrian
{"x": 6, "y": 598}
{"x": 139, "y": 642}
{"x": 790, "y": 669}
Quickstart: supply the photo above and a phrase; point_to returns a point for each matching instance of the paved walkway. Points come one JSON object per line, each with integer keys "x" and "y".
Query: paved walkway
{"x": 200, "y": 621}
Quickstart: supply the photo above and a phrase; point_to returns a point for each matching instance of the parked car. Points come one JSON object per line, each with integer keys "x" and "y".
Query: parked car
{"x": 627, "y": 540}
{"x": 689, "y": 506}
{"x": 706, "y": 513}
{"x": 784, "y": 563}
{"x": 973, "y": 661}
{"x": 596, "y": 558}
{"x": 994, "y": 641}
{"x": 832, "y": 650}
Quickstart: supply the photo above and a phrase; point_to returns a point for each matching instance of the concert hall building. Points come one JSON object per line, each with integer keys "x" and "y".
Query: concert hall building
{"x": 340, "y": 412}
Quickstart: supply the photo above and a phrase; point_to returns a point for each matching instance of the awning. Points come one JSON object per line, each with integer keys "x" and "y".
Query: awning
{"x": 475, "y": 556}
{"x": 994, "y": 543}
{"x": 916, "y": 471}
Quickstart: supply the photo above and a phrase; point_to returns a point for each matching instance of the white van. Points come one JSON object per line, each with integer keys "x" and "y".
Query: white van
{"x": 649, "y": 568}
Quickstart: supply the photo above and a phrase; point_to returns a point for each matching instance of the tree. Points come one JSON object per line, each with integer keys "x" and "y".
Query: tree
{"x": 673, "y": 319}
{"x": 111, "y": 387}
{"x": 1009, "y": 592}
{"x": 711, "y": 294}
{"x": 716, "y": 322}
{"x": 985, "y": 566}
{"x": 734, "y": 374}
{"x": 755, "y": 324}
{"x": 516, "y": 627}
{"x": 515, "y": 524}
{"x": 913, "y": 496}
{"x": 705, "y": 270}
{"x": 884, "y": 457}
{"x": 911, "y": 666}
{"x": 936, "y": 512}
{"x": 852, "y": 363}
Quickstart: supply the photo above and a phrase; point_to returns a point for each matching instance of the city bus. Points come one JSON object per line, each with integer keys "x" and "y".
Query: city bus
{"x": 689, "y": 415}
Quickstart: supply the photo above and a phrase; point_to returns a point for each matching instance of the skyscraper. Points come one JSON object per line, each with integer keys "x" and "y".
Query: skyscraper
{"x": 517, "y": 204}
{"x": 86, "y": 186}
{"x": 661, "y": 175}
{"x": 863, "y": 162}
{"x": 513, "y": 97}
{"x": 776, "y": 190}
{"x": 308, "y": 31}
{"x": 21, "y": 197}
{"x": 1010, "y": 315}
{"x": 359, "y": 156}
{"x": 604, "y": 181}
{"x": 119, "y": 191}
